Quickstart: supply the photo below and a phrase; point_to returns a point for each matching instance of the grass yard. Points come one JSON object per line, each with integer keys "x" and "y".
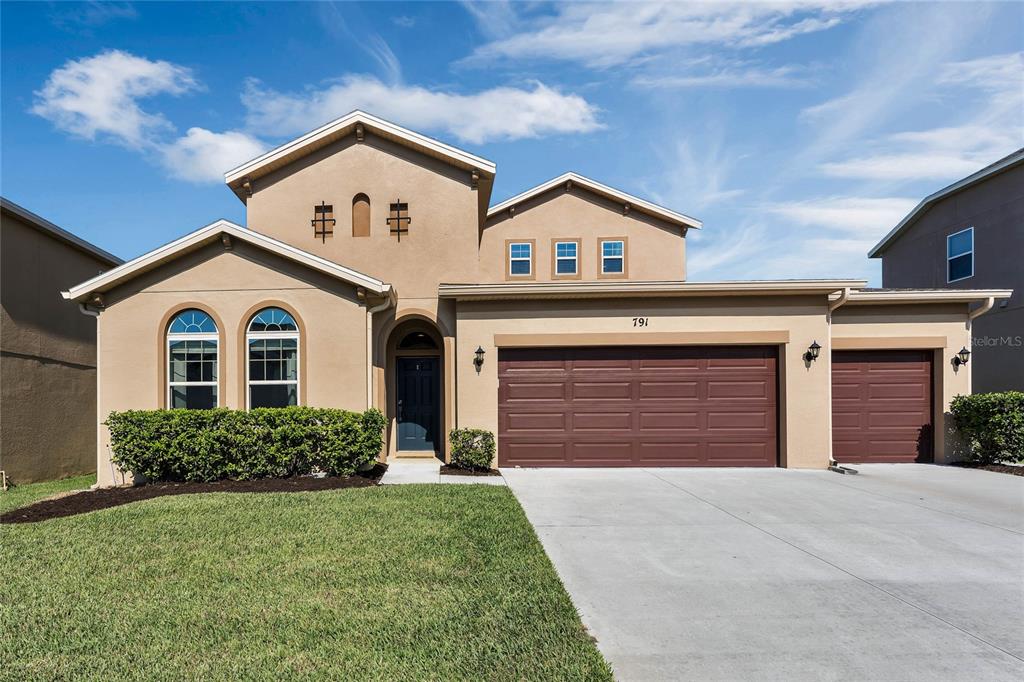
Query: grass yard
{"x": 20, "y": 495}
{"x": 427, "y": 582}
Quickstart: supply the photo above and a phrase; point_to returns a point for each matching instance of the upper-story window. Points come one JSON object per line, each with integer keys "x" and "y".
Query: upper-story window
{"x": 520, "y": 259}
{"x": 360, "y": 216}
{"x": 192, "y": 361}
{"x": 960, "y": 255}
{"x": 272, "y": 342}
{"x": 566, "y": 258}
{"x": 613, "y": 257}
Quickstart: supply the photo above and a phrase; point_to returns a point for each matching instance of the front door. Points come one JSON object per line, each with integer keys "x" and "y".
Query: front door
{"x": 417, "y": 406}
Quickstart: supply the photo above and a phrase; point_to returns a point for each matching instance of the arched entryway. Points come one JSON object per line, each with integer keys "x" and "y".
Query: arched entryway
{"x": 416, "y": 404}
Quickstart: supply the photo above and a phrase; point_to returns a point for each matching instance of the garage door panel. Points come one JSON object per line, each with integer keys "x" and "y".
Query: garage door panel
{"x": 660, "y": 390}
{"x": 527, "y": 422}
{"x": 881, "y": 406}
{"x": 621, "y": 407}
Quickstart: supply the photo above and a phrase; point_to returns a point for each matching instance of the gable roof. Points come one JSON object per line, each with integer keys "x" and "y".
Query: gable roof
{"x": 641, "y": 205}
{"x": 58, "y": 233}
{"x": 342, "y": 127}
{"x": 208, "y": 235}
{"x": 1003, "y": 164}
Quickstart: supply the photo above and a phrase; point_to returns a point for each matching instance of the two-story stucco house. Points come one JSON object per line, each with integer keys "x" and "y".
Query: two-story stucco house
{"x": 970, "y": 235}
{"x": 374, "y": 271}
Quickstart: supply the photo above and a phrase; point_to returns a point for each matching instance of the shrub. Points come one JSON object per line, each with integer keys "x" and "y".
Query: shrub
{"x": 472, "y": 448}
{"x": 209, "y": 445}
{"x": 991, "y": 425}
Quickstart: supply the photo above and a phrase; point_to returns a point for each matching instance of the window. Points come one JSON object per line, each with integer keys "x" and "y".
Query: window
{"x": 960, "y": 255}
{"x": 566, "y": 258}
{"x": 272, "y": 342}
{"x": 613, "y": 257}
{"x": 192, "y": 361}
{"x": 360, "y": 216}
{"x": 520, "y": 258}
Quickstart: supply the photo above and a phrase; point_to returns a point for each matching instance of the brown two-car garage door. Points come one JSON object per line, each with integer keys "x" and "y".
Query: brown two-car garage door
{"x": 637, "y": 406}
{"x": 882, "y": 406}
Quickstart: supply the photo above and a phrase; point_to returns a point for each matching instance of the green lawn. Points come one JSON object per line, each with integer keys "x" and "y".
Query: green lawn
{"x": 388, "y": 583}
{"x": 20, "y": 495}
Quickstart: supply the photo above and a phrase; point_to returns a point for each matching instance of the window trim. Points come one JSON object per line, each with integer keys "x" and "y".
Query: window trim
{"x": 600, "y": 258}
{"x": 555, "y": 258}
{"x": 508, "y": 259}
{"x": 169, "y": 338}
{"x": 949, "y": 258}
{"x": 250, "y": 336}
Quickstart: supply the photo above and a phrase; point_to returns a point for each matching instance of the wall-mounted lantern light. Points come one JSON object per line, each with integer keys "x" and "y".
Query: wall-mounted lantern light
{"x": 962, "y": 357}
{"x": 813, "y": 351}
{"x": 478, "y": 358}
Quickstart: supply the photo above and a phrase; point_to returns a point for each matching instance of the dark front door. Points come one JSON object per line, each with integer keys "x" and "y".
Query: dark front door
{"x": 417, "y": 395}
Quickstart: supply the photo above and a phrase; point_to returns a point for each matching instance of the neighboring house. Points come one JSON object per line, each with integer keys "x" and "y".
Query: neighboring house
{"x": 47, "y": 349}
{"x": 970, "y": 235}
{"x": 375, "y": 272}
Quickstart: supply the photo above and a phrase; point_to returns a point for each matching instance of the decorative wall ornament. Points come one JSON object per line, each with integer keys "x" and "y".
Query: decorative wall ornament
{"x": 398, "y": 219}
{"x": 322, "y": 216}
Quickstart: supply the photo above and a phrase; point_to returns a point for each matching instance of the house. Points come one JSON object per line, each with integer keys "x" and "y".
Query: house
{"x": 970, "y": 235}
{"x": 47, "y": 349}
{"x": 374, "y": 271}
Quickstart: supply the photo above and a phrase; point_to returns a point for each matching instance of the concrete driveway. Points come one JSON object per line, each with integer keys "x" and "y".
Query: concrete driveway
{"x": 904, "y": 572}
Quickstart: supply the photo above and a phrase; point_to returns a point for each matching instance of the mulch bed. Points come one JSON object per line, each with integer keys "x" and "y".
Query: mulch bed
{"x": 998, "y": 468}
{"x": 103, "y": 498}
{"x": 449, "y": 470}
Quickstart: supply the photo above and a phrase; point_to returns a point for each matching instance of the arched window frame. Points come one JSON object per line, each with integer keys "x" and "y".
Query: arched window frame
{"x": 251, "y": 336}
{"x": 172, "y": 337}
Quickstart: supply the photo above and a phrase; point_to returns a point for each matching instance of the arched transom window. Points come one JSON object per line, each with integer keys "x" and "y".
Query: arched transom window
{"x": 192, "y": 358}
{"x": 272, "y": 343}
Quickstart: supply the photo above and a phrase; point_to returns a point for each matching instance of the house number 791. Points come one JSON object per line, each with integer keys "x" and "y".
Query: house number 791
{"x": 640, "y": 321}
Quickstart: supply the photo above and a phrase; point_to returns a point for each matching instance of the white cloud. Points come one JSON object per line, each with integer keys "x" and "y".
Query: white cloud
{"x": 98, "y": 96}
{"x": 994, "y": 127}
{"x": 695, "y": 172}
{"x": 203, "y": 156}
{"x": 495, "y": 114}
{"x": 729, "y": 76}
{"x": 847, "y": 214}
{"x": 603, "y": 35}
{"x": 82, "y": 17}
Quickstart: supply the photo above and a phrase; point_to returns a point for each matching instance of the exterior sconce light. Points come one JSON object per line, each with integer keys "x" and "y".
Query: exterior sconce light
{"x": 478, "y": 358}
{"x": 813, "y": 351}
{"x": 962, "y": 357}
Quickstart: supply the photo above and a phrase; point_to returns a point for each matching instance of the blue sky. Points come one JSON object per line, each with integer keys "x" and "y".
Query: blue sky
{"x": 799, "y": 132}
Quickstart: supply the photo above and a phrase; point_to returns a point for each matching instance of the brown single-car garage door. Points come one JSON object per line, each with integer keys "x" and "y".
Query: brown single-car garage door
{"x": 882, "y": 406}
{"x": 637, "y": 406}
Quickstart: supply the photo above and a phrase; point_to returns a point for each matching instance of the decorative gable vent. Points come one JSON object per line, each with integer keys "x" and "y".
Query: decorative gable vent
{"x": 323, "y": 221}
{"x": 398, "y": 218}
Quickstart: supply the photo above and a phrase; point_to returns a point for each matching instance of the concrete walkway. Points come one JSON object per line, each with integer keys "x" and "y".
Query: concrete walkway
{"x": 428, "y": 470}
{"x": 904, "y": 572}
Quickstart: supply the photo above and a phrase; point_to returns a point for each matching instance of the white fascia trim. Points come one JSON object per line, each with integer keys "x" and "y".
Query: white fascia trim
{"x": 663, "y": 288}
{"x": 999, "y": 166}
{"x": 371, "y": 121}
{"x": 59, "y": 232}
{"x": 203, "y": 234}
{"x": 595, "y": 186}
{"x": 928, "y": 296}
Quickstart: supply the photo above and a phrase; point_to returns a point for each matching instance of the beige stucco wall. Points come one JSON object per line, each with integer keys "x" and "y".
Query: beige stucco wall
{"x": 47, "y": 357}
{"x": 803, "y": 412}
{"x": 655, "y": 249}
{"x": 442, "y": 241}
{"x": 939, "y": 327}
{"x": 230, "y": 284}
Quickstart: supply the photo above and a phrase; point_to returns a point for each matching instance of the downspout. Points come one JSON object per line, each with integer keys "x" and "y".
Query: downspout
{"x": 392, "y": 300}
{"x": 980, "y": 310}
{"x": 844, "y": 296}
{"x": 86, "y": 310}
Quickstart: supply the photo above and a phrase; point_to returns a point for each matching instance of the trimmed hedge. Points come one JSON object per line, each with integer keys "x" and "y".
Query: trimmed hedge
{"x": 472, "y": 448}
{"x": 210, "y": 445}
{"x": 991, "y": 425}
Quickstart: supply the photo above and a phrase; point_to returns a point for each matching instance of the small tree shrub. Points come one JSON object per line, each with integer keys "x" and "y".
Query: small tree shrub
{"x": 991, "y": 425}
{"x": 210, "y": 445}
{"x": 472, "y": 448}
